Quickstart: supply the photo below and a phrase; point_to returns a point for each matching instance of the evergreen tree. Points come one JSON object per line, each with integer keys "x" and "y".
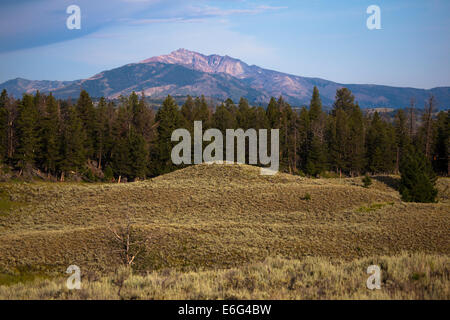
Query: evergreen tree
{"x": 187, "y": 111}
{"x": 346, "y": 134}
{"x": 27, "y": 133}
{"x": 86, "y": 112}
{"x": 315, "y": 106}
{"x": 120, "y": 153}
{"x": 338, "y": 133}
{"x": 355, "y": 151}
{"x": 50, "y": 128}
{"x": 273, "y": 113}
{"x": 120, "y": 157}
{"x": 39, "y": 102}
{"x": 169, "y": 119}
{"x": 231, "y": 107}
{"x": 139, "y": 114}
{"x": 428, "y": 124}
{"x": 303, "y": 138}
{"x": 402, "y": 137}
{"x": 344, "y": 100}
{"x": 101, "y": 131}
{"x": 287, "y": 131}
{"x": 380, "y": 145}
{"x": 417, "y": 183}
{"x": 223, "y": 119}
{"x": 145, "y": 122}
{"x": 132, "y": 105}
{"x": 316, "y": 158}
{"x": 442, "y": 143}
{"x": 201, "y": 112}
{"x": 260, "y": 120}
{"x": 188, "y": 114}
{"x": 3, "y": 125}
{"x": 138, "y": 152}
{"x": 109, "y": 135}
{"x": 73, "y": 146}
{"x": 315, "y": 148}
{"x": 244, "y": 114}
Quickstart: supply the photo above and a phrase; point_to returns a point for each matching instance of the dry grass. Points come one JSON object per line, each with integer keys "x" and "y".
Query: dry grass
{"x": 214, "y": 216}
{"x": 405, "y": 276}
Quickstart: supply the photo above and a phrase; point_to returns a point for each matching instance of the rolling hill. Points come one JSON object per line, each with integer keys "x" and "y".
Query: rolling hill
{"x": 203, "y": 218}
{"x": 184, "y": 72}
{"x": 216, "y": 216}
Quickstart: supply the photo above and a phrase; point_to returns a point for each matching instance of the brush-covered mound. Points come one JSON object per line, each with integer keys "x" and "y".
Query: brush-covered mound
{"x": 211, "y": 216}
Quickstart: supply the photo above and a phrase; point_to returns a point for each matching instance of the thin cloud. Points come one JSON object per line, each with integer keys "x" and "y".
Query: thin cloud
{"x": 193, "y": 14}
{"x": 215, "y": 11}
{"x": 31, "y": 24}
{"x": 219, "y": 12}
{"x": 166, "y": 20}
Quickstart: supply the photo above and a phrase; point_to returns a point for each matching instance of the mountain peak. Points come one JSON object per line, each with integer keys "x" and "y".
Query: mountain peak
{"x": 183, "y": 51}
{"x": 211, "y": 64}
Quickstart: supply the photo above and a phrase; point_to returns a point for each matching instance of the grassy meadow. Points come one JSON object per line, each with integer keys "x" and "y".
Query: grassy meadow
{"x": 223, "y": 232}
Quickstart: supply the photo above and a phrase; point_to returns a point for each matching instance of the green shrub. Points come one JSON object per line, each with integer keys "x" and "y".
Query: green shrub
{"x": 89, "y": 176}
{"x": 306, "y": 197}
{"x": 108, "y": 174}
{"x": 417, "y": 183}
{"x": 367, "y": 181}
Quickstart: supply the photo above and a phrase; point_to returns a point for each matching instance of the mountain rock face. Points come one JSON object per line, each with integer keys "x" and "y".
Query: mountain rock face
{"x": 184, "y": 72}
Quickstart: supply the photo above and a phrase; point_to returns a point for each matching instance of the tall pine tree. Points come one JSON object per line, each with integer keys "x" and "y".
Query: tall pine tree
{"x": 402, "y": 137}
{"x": 3, "y": 125}
{"x": 442, "y": 144}
{"x": 86, "y": 113}
{"x": 316, "y": 150}
{"x": 50, "y": 129}
{"x": 169, "y": 119}
{"x": 27, "y": 133}
{"x": 73, "y": 147}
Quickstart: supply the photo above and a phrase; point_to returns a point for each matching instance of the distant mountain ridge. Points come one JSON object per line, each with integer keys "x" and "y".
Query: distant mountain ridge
{"x": 184, "y": 72}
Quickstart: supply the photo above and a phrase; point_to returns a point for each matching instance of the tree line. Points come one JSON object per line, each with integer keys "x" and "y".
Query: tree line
{"x": 128, "y": 140}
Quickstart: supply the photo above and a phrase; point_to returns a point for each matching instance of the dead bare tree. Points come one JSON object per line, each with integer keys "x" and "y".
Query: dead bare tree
{"x": 129, "y": 246}
{"x": 412, "y": 119}
{"x": 429, "y": 106}
{"x": 11, "y": 116}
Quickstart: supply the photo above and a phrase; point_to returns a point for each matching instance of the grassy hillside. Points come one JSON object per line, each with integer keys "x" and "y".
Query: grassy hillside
{"x": 208, "y": 217}
{"x": 404, "y": 276}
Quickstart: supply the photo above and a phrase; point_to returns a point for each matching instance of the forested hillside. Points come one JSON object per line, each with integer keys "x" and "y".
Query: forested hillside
{"x": 128, "y": 140}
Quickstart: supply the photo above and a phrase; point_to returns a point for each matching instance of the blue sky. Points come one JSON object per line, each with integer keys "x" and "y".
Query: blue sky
{"x": 315, "y": 38}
